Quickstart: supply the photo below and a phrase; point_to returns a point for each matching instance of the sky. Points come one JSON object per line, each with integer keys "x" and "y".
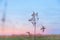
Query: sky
{"x": 19, "y": 12}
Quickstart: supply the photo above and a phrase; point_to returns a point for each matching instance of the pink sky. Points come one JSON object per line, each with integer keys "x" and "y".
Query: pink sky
{"x": 8, "y": 31}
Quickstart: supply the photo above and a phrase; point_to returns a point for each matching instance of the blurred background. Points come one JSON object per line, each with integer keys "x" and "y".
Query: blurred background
{"x": 17, "y": 13}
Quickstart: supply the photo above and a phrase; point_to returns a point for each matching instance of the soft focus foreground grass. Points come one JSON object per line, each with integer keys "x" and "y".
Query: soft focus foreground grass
{"x": 31, "y": 38}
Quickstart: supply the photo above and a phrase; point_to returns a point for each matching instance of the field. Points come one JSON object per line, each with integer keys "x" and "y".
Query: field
{"x": 46, "y": 37}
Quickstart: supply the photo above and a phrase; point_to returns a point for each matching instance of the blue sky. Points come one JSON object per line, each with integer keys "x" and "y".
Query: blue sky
{"x": 19, "y": 11}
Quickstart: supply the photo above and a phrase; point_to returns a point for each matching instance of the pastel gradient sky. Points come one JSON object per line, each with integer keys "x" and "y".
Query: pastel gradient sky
{"x": 19, "y": 11}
